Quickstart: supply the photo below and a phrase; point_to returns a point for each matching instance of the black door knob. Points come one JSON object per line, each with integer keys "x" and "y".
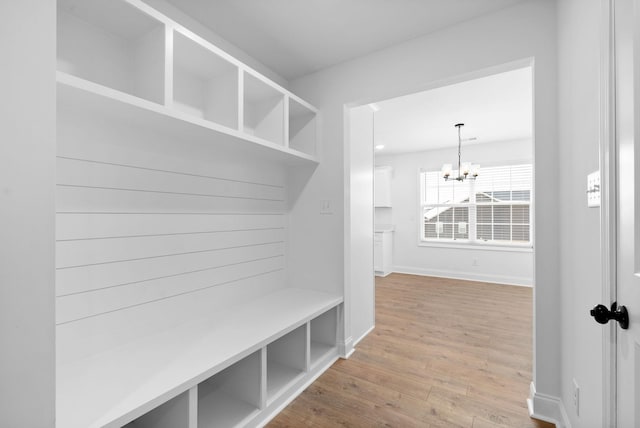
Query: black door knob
{"x": 619, "y": 313}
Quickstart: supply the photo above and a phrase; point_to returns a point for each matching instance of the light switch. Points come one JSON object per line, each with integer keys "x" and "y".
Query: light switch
{"x": 593, "y": 189}
{"x": 326, "y": 207}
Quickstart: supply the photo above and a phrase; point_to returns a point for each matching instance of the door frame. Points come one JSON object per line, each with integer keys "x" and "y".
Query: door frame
{"x": 608, "y": 206}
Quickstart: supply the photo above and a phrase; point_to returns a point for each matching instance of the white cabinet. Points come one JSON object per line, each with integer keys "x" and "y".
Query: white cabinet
{"x": 383, "y": 252}
{"x": 382, "y": 186}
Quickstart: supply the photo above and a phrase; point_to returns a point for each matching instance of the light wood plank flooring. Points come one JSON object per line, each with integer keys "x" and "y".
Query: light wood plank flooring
{"x": 444, "y": 353}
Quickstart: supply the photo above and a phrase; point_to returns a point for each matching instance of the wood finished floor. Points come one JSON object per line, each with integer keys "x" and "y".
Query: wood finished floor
{"x": 444, "y": 353}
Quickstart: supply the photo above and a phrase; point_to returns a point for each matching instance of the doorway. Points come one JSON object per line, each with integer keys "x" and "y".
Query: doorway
{"x": 406, "y": 216}
{"x": 475, "y": 223}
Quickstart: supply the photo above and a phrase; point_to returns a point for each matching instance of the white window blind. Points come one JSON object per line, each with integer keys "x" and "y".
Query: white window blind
{"x": 495, "y": 208}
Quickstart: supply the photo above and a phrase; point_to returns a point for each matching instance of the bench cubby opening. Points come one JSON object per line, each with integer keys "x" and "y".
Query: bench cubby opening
{"x": 172, "y": 414}
{"x": 286, "y": 361}
{"x": 323, "y": 333}
{"x": 231, "y": 397}
{"x": 114, "y": 44}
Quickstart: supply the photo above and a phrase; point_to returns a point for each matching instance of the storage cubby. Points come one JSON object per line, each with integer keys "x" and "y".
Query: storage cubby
{"x": 302, "y": 127}
{"x": 263, "y": 110}
{"x": 286, "y": 361}
{"x": 172, "y": 414}
{"x": 231, "y": 397}
{"x": 112, "y": 43}
{"x": 204, "y": 84}
{"x": 323, "y": 335}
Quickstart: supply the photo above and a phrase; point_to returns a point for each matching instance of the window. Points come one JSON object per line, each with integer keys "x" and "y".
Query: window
{"x": 495, "y": 208}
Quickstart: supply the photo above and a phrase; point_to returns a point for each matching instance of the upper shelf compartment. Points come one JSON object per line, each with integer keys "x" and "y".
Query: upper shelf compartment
{"x": 302, "y": 127}
{"x": 204, "y": 84}
{"x": 263, "y": 110}
{"x": 114, "y": 44}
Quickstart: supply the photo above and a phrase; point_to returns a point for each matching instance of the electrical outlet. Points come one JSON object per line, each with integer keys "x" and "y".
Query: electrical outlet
{"x": 474, "y": 262}
{"x": 576, "y": 397}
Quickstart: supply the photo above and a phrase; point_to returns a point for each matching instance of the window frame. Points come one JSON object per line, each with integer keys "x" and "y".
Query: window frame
{"x": 472, "y": 242}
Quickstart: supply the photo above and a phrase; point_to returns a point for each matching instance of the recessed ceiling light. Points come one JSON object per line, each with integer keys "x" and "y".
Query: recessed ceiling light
{"x": 380, "y": 147}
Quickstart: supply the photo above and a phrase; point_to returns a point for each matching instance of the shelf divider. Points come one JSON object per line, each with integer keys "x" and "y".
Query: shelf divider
{"x": 193, "y": 407}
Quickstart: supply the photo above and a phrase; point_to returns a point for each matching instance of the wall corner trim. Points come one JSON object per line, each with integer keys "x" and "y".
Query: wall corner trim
{"x": 547, "y": 408}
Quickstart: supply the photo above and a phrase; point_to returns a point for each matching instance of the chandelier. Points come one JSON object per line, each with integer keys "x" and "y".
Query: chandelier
{"x": 465, "y": 170}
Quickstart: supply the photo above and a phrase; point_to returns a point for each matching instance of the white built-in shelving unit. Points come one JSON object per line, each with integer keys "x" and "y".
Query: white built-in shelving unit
{"x": 174, "y": 307}
{"x": 122, "y": 55}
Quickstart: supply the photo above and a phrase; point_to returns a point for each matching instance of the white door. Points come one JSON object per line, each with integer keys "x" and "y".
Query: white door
{"x": 627, "y": 124}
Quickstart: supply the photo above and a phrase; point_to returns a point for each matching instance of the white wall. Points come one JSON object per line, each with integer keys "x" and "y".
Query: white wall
{"x": 494, "y": 265}
{"x": 526, "y": 30}
{"x": 27, "y": 176}
{"x": 360, "y": 253}
{"x": 189, "y": 231}
{"x": 578, "y": 64}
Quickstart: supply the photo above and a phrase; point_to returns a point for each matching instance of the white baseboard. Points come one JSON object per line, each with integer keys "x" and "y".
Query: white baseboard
{"x": 469, "y": 276}
{"x": 345, "y": 349}
{"x": 547, "y": 408}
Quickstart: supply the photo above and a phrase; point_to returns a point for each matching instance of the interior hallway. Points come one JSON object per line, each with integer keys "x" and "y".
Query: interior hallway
{"x": 444, "y": 353}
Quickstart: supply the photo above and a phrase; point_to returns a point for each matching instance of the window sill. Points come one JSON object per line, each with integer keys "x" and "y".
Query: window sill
{"x": 478, "y": 246}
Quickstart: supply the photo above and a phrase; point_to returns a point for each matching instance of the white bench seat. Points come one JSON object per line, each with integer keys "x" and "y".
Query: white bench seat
{"x": 112, "y": 388}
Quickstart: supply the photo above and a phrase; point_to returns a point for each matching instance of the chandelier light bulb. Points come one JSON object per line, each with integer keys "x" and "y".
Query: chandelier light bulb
{"x": 447, "y": 170}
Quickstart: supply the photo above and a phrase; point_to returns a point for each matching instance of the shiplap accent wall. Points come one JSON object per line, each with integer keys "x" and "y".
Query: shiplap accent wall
{"x": 152, "y": 231}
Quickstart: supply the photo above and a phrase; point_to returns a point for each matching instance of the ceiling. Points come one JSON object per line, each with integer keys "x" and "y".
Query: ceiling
{"x": 494, "y": 108}
{"x": 298, "y": 37}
